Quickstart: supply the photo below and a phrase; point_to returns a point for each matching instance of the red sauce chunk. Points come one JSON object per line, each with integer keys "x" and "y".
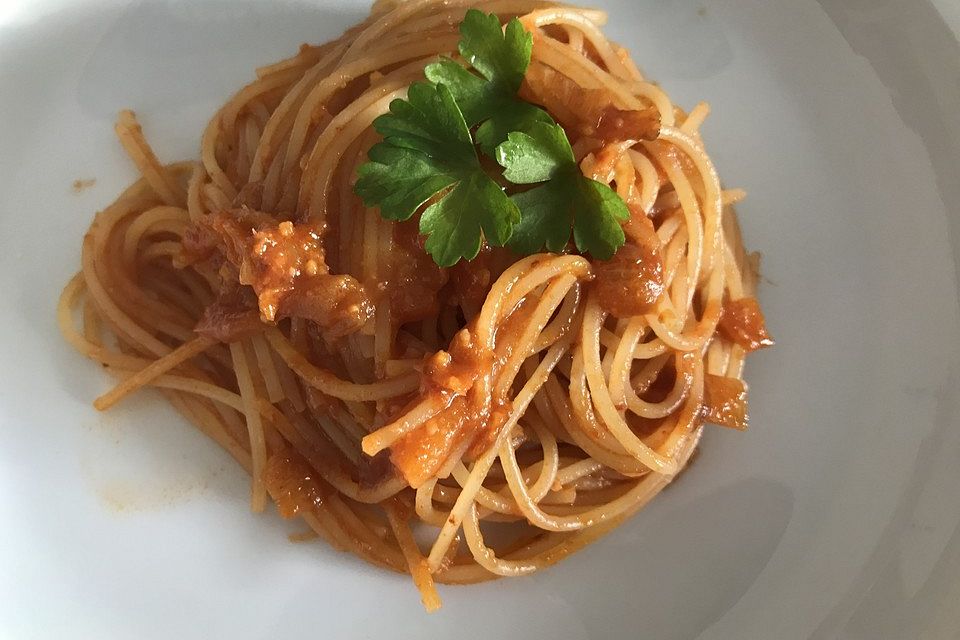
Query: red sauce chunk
{"x": 293, "y": 484}
{"x": 291, "y": 278}
{"x": 487, "y": 432}
{"x": 471, "y": 279}
{"x": 413, "y": 279}
{"x": 450, "y": 377}
{"x": 742, "y": 323}
{"x": 617, "y": 124}
{"x": 338, "y": 304}
{"x": 457, "y": 369}
{"x": 420, "y": 454}
{"x": 285, "y": 266}
{"x": 725, "y": 402}
{"x": 470, "y": 421}
{"x": 590, "y": 112}
{"x": 374, "y": 471}
{"x": 279, "y": 256}
{"x": 631, "y": 282}
{"x": 232, "y": 316}
{"x": 221, "y": 236}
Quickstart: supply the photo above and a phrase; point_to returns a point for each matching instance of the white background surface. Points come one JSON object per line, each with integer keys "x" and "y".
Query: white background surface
{"x": 950, "y": 10}
{"x": 835, "y": 516}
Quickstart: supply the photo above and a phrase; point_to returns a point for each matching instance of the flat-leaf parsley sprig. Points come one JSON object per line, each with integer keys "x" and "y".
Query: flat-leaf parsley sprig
{"x": 426, "y": 150}
{"x": 501, "y": 57}
{"x": 428, "y": 154}
{"x": 565, "y": 198}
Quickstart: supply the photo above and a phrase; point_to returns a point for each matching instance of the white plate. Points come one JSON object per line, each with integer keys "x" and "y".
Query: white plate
{"x": 835, "y": 516}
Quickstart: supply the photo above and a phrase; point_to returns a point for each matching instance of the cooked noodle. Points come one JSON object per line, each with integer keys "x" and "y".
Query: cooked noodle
{"x": 575, "y": 420}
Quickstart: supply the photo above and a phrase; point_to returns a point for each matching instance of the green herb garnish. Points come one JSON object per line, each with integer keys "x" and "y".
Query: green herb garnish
{"x": 566, "y": 198}
{"x": 501, "y": 57}
{"x": 429, "y": 154}
{"x": 427, "y": 150}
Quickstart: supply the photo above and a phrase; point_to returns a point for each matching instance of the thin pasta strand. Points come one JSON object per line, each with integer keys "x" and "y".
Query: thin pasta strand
{"x": 569, "y": 420}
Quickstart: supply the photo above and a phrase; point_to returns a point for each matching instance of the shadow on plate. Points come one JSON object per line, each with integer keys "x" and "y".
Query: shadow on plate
{"x": 673, "y": 553}
{"x": 195, "y": 58}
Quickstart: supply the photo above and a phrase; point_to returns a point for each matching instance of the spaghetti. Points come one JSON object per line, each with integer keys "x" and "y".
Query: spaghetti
{"x": 374, "y": 394}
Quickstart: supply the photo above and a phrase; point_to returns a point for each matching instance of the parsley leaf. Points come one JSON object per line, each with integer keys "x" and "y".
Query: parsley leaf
{"x": 475, "y": 96}
{"x": 428, "y": 121}
{"x": 453, "y": 224}
{"x": 565, "y": 198}
{"x": 501, "y": 57}
{"x": 536, "y": 156}
{"x": 519, "y": 116}
{"x": 546, "y": 219}
{"x": 427, "y": 153}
